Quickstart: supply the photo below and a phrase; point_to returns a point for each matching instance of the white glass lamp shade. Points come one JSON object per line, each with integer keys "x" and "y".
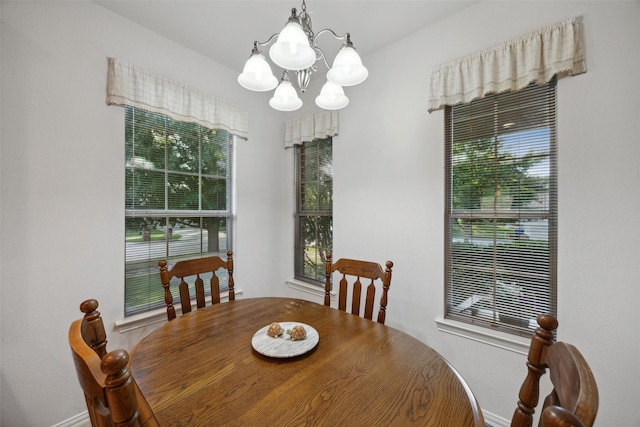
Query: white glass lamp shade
{"x": 285, "y": 97}
{"x": 347, "y": 68}
{"x": 257, "y": 74}
{"x": 292, "y": 51}
{"x": 332, "y": 97}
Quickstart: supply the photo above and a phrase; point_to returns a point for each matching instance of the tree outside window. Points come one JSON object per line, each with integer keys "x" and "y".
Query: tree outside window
{"x": 314, "y": 212}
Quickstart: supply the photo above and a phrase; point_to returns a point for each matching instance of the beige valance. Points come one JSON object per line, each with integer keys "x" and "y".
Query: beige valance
{"x": 535, "y": 57}
{"x": 139, "y": 88}
{"x": 318, "y": 125}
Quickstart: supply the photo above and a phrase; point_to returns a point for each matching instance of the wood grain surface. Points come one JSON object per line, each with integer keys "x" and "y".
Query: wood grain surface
{"x": 201, "y": 370}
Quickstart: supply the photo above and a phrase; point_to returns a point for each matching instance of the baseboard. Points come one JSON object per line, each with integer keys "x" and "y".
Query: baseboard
{"x": 494, "y": 420}
{"x": 79, "y": 420}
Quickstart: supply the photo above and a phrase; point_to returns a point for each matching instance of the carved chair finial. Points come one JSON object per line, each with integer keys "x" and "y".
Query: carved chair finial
{"x": 92, "y": 328}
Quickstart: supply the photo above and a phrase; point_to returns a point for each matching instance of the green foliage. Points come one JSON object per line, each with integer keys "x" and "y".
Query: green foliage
{"x": 195, "y": 176}
{"x": 481, "y": 169}
{"x": 154, "y": 235}
{"x": 318, "y": 241}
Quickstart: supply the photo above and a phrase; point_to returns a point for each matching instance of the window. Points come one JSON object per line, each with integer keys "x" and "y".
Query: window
{"x": 178, "y": 190}
{"x": 314, "y": 208}
{"x": 501, "y": 209}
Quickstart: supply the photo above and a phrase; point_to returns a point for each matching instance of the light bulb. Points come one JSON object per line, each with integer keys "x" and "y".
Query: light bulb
{"x": 347, "y": 68}
{"x": 285, "y": 97}
{"x": 331, "y": 97}
{"x": 292, "y": 51}
{"x": 256, "y": 74}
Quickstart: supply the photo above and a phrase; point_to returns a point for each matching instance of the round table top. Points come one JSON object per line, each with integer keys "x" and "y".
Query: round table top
{"x": 202, "y": 370}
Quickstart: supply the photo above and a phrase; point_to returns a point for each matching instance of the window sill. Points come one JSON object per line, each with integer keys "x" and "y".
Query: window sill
{"x": 497, "y": 339}
{"x": 299, "y": 285}
{"x": 158, "y": 315}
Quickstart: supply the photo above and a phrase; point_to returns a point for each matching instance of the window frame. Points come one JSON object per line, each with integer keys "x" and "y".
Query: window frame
{"x": 302, "y": 212}
{"x": 163, "y": 217}
{"x": 453, "y": 309}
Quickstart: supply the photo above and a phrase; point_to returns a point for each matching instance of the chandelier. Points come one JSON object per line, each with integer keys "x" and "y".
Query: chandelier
{"x": 295, "y": 50}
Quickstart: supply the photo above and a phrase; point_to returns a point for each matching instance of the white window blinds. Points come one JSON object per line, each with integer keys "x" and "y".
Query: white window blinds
{"x": 501, "y": 209}
{"x": 136, "y": 87}
{"x": 511, "y": 66}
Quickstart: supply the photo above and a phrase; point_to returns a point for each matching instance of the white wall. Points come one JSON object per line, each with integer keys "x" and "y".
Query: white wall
{"x": 62, "y": 190}
{"x": 389, "y": 169}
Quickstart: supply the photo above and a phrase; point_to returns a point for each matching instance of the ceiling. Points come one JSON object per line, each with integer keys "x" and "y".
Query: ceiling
{"x": 225, "y": 30}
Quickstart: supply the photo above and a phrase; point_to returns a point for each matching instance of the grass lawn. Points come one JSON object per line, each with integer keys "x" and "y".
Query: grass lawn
{"x": 155, "y": 235}
{"x": 485, "y": 231}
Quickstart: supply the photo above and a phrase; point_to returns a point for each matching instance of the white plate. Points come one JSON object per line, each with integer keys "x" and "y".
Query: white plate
{"x": 283, "y": 346}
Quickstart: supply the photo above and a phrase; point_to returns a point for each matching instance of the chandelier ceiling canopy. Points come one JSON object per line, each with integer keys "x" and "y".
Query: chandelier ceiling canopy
{"x": 296, "y": 50}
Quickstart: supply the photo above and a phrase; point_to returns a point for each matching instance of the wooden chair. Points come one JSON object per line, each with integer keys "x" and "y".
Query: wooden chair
{"x": 352, "y": 270}
{"x": 195, "y": 267}
{"x": 112, "y": 397}
{"x": 573, "y": 401}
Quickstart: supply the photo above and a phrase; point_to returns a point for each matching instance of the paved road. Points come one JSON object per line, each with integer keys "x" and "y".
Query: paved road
{"x": 188, "y": 243}
{"x": 534, "y": 230}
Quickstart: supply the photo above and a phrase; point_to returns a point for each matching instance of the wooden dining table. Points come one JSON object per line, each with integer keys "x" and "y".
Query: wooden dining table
{"x": 202, "y": 369}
